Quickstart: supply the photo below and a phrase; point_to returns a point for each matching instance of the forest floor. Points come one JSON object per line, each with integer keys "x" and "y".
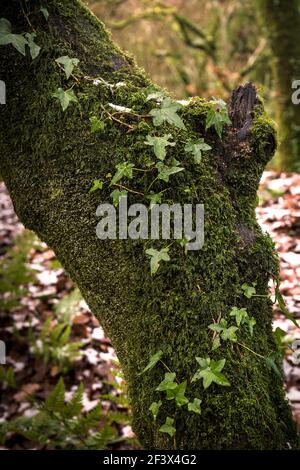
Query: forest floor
{"x": 39, "y": 296}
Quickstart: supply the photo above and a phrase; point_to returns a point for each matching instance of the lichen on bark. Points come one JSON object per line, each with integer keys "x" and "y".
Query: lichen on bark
{"x": 49, "y": 160}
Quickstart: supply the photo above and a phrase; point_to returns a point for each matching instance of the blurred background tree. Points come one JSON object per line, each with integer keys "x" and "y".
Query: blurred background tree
{"x": 282, "y": 26}
{"x": 207, "y": 48}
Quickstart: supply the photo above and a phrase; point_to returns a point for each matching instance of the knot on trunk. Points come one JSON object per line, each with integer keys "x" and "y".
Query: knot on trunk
{"x": 241, "y": 108}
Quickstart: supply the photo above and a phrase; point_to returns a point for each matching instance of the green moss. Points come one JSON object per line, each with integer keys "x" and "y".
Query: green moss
{"x": 49, "y": 160}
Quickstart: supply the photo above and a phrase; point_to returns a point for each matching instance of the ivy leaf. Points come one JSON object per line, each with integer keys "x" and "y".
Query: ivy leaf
{"x": 218, "y": 366}
{"x": 183, "y": 242}
{"x": 116, "y": 196}
{"x": 228, "y": 334}
{"x": 251, "y": 322}
{"x": 270, "y": 360}
{"x": 204, "y": 363}
{"x": 178, "y": 394}
{"x": 168, "y": 427}
{"x": 97, "y": 184}
{"x": 210, "y": 371}
{"x": 218, "y": 327}
{"x": 154, "y": 408}
{"x": 167, "y": 113}
{"x": 249, "y": 291}
{"x": 33, "y": 47}
{"x": 240, "y": 314}
{"x": 279, "y": 335}
{"x": 283, "y": 307}
{"x": 157, "y": 257}
{"x": 195, "y": 406}
{"x": 155, "y": 198}
{"x": 18, "y": 41}
{"x": 68, "y": 63}
{"x": 124, "y": 170}
{"x": 196, "y": 148}
{"x": 45, "y": 13}
{"x": 159, "y": 145}
{"x": 164, "y": 172}
{"x": 216, "y": 343}
{"x": 217, "y": 116}
{"x": 65, "y": 97}
{"x": 5, "y": 26}
{"x": 167, "y": 383}
{"x": 96, "y": 125}
{"x": 152, "y": 361}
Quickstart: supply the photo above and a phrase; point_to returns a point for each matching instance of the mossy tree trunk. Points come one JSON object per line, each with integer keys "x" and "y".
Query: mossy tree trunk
{"x": 49, "y": 159}
{"x": 282, "y": 24}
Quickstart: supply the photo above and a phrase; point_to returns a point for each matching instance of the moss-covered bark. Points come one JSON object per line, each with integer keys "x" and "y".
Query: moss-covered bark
{"x": 49, "y": 159}
{"x": 282, "y": 24}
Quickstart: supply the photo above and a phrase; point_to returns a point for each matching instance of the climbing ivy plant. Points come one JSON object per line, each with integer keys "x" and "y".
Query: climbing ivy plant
{"x": 217, "y": 116}
{"x": 210, "y": 371}
{"x": 19, "y": 41}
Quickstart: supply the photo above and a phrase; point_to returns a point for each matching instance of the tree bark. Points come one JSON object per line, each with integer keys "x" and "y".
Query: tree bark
{"x": 49, "y": 159}
{"x": 282, "y": 25}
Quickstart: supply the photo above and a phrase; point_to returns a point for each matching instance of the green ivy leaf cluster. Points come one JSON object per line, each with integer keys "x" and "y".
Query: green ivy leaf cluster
{"x": 173, "y": 390}
{"x": 68, "y": 64}
{"x": 164, "y": 171}
{"x": 159, "y": 145}
{"x": 18, "y": 41}
{"x": 96, "y": 125}
{"x": 124, "y": 170}
{"x": 228, "y": 333}
{"x": 196, "y": 148}
{"x": 156, "y": 257}
{"x": 116, "y": 196}
{"x": 167, "y": 112}
{"x": 217, "y": 116}
{"x": 65, "y": 97}
{"x": 210, "y": 371}
{"x": 168, "y": 427}
{"x": 241, "y": 317}
{"x": 97, "y": 184}
{"x": 249, "y": 291}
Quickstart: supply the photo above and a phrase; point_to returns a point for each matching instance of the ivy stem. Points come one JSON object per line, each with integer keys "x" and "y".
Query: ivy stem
{"x": 27, "y": 19}
{"x": 128, "y": 189}
{"x": 134, "y": 114}
{"x": 251, "y": 350}
{"x": 172, "y": 243}
{"x": 168, "y": 369}
{"x": 72, "y": 75}
{"x": 165, "y": 366}
{"x": 140, "y": 169}
{"x": 155, "y": 179}
{"x": 112, "y": 117}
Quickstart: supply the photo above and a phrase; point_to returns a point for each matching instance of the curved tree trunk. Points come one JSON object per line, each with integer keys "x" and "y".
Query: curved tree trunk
{"x": 282, "y": 24}
{"x": 49, "y": 159}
